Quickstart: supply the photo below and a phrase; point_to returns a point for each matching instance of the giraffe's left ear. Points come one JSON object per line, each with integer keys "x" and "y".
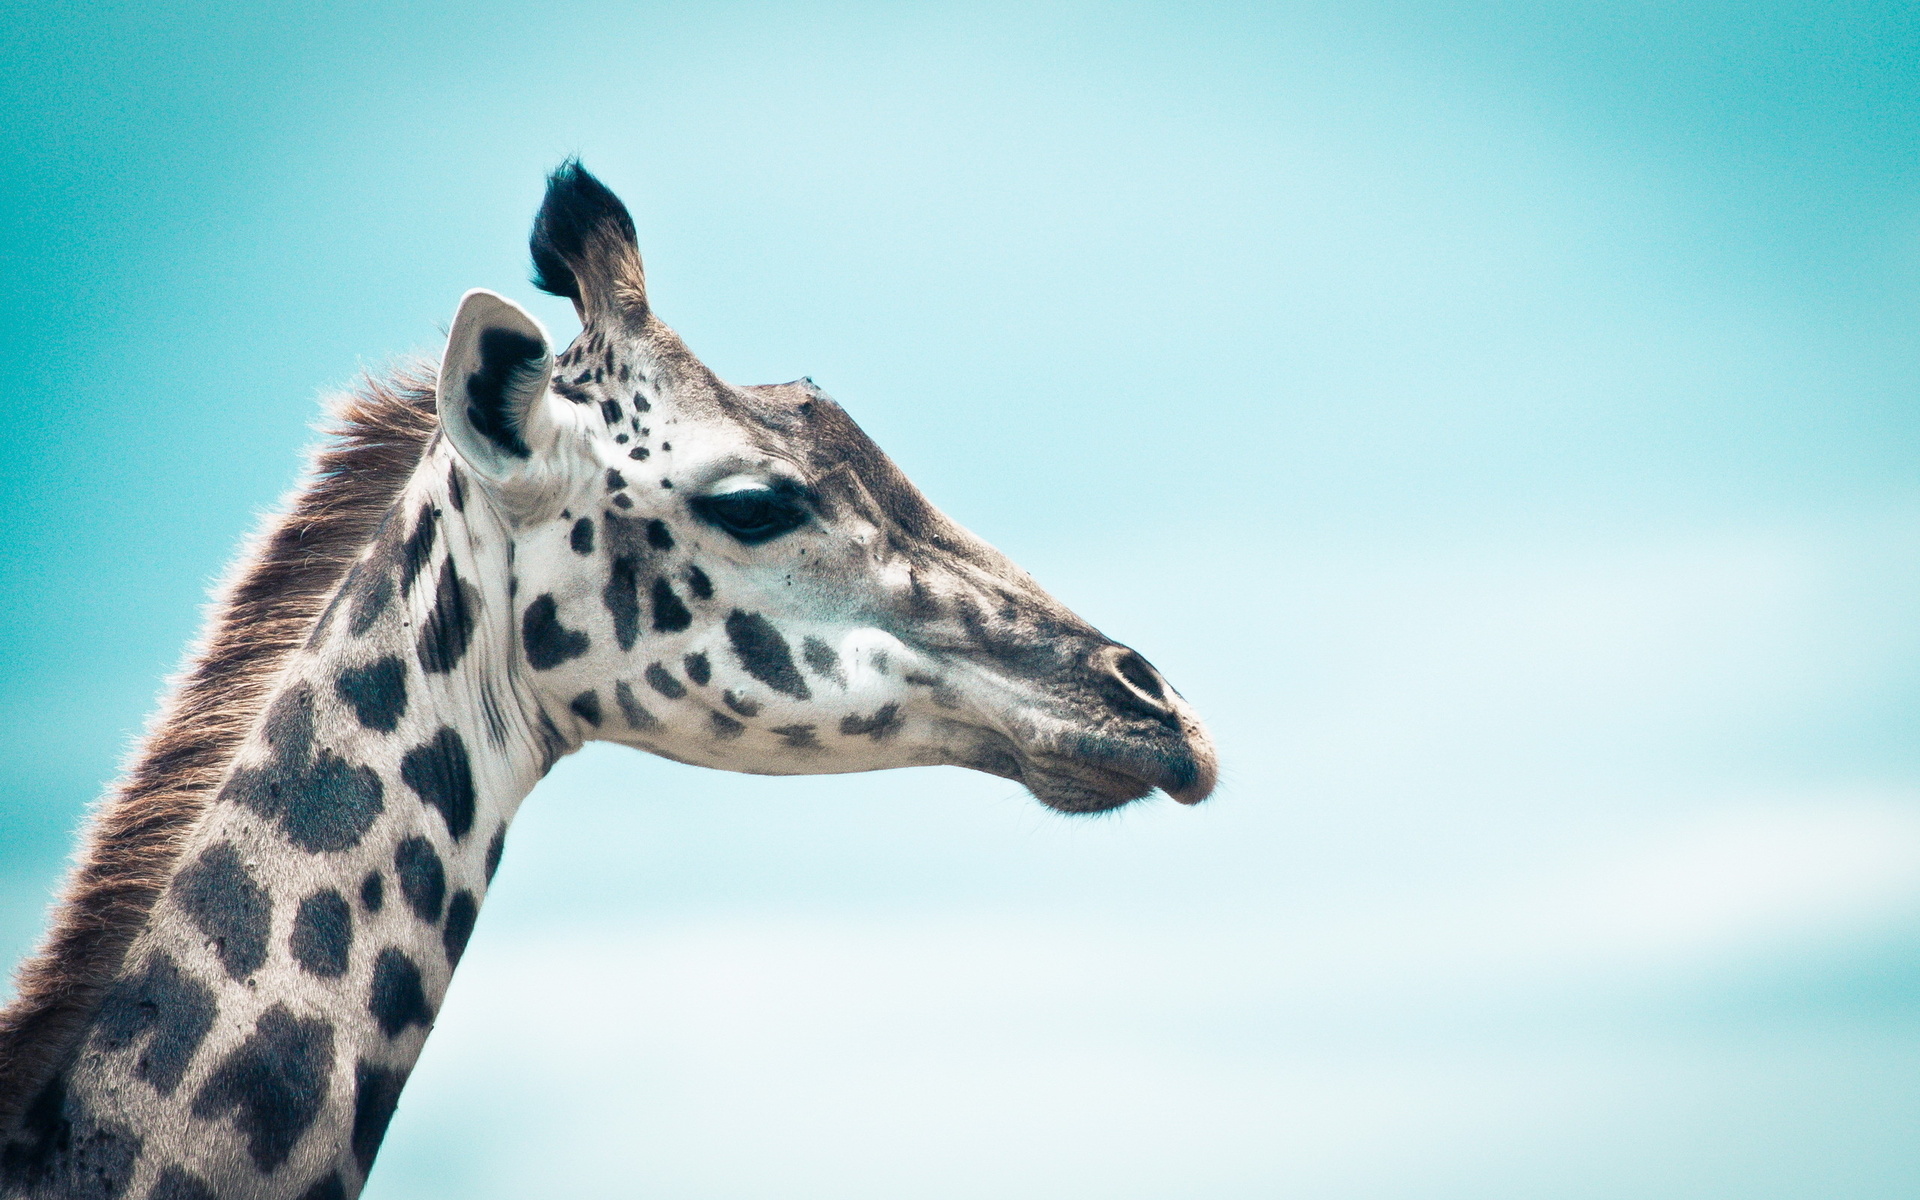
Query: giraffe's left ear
{"x": 493, "y": 385}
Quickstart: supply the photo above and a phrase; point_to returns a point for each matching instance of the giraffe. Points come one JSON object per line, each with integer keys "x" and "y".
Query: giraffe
{"x": 487, "y": 567}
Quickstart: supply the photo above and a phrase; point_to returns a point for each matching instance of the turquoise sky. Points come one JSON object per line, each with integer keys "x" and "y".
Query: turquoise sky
{"x": 1499, "y": 419}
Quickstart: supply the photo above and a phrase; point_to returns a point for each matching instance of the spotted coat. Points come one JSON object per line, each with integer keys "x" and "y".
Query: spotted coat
{"x": 607, "y": 543}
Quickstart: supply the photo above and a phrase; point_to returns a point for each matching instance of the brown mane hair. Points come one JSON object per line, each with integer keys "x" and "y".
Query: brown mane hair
{"x": 261, "y": 613}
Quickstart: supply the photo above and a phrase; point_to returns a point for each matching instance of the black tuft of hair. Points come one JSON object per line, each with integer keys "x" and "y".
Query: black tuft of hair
{"x": 576, "y": 205}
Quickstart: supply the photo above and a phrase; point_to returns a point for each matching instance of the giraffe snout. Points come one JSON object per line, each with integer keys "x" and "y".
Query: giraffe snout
{"x": 1188, "y": 772}
{"x": 1139, "y": 735}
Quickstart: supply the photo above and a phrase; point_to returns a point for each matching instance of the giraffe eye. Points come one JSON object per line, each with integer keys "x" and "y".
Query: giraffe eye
{"x": 754, "y": 516}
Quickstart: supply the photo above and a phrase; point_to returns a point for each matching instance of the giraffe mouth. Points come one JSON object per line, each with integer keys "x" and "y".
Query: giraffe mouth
{"x": 1096, "y": 773}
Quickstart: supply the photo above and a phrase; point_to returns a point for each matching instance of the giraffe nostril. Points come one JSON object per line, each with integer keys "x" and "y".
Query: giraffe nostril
{"x": 1138, "y": 672}
{"x": 1139, "y": 686}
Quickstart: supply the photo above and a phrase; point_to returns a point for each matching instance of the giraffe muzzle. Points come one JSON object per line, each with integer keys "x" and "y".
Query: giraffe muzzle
{"x": 1143, "y": 737}
{"x": 1095, "y": 772}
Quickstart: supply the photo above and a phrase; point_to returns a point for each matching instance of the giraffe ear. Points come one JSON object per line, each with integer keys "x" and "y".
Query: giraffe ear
{"x": 493, "y": 385}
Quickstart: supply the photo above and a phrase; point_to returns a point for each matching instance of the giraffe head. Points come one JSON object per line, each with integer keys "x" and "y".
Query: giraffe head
{"x": 737, "y": 577}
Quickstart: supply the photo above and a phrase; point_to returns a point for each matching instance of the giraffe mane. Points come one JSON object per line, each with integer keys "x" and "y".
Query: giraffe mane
{"x": 263, "y": 610}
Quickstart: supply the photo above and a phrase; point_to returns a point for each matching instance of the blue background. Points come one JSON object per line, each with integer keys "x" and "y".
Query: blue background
{"x": 1498, "y": 418}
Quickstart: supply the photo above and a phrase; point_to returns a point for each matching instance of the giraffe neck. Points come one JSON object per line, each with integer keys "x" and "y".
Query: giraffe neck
{"x": 267, "y": 1016}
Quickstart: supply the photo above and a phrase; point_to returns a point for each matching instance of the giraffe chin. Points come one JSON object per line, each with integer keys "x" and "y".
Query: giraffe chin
{"x": 1084, "y": 789}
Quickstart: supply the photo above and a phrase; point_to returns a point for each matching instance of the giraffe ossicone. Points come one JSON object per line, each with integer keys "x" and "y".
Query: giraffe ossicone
{"x": 485, "y": 572}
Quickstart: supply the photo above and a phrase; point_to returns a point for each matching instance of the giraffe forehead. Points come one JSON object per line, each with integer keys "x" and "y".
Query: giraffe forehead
{"x": 615, "y": 382}
{"x": 686, "y": 430}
